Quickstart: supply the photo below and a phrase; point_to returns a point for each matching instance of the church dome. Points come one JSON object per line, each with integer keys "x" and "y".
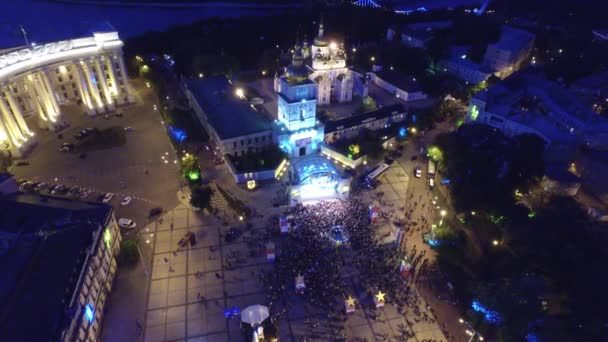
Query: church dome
{"x": 320, "y": 41}
{"x": 296, "y": 72}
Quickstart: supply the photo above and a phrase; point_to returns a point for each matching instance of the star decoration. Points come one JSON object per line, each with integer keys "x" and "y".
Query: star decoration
{"x": 350, "y": 301}
{"x": 380, "y": 296}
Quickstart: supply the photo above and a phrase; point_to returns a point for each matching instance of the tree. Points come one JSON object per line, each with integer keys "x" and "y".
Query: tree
{"x": 190, "y": 168}
{"x": 201, "y": 197}
{"x": 434, "y": 153}
{"x": 6, "y": 160}
{"x": 354, "y": 150}
{"x": 128, "y": 252}
{"x": 368, "y": 104}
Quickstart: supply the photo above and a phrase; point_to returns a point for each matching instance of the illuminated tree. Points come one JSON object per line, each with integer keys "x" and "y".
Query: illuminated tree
{"x": 434, "y": 153}
{"x": 190, "y": 169}
{"x": 354, "y": 150}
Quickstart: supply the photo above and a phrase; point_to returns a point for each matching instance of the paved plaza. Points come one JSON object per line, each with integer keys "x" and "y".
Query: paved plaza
{"x": 180, "y": 277}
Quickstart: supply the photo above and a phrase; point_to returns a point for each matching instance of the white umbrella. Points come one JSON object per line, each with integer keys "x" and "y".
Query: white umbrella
{"x": 254, "y": 314}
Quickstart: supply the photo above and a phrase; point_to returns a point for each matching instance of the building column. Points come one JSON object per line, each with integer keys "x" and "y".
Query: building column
{"x": 92, "y": 86}
{"x": 110, "y": 65}
{"x": 50, "y": 93}
{"x": 101, "y": 77}
{"x": 125, "y": 79}
{"x": 42, "y": 98}
{"x": 17, "y": 112}
{"x": 13, "y": 129}
{"x": 84, "y": 92}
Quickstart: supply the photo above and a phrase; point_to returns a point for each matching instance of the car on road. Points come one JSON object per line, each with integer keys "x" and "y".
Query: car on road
{"x": 126, "y": 201}
{"x": 107, "y": 116}
{"x": 100, "y": 197}
{"x": 232, "y": 235}
{"x": 129, "y": 129}
{"x": 431, "y": 183}
{"x": 418, "y": 172}
{"x": 74, "y": 191}
{"x": 126, "y": 223}
{"x": 119, "y": 114}
{"x": 414, "y": 157}
{"x": 85, "y": 193}
{"x": 389, "y": 160}
{"x": 155, "y": 211}
{"x": 107, "y": 197}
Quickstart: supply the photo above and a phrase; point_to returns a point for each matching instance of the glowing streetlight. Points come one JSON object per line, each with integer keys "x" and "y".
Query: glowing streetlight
{"x": 372, "y": 58}
{"x": 240, "y": 92}
{"x": 333, "y": 45}
{"x": 200, "y": 75}
{"x": 354, "y": 49}
{"x": 495, "y": 242}
{"x": 442, "y": 213}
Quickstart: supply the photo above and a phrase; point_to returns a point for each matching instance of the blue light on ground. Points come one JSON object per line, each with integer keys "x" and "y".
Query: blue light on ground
{"x": 445, "y": 181}
{"x": 489, "y": 315}
{"x": 402, "y": 132}
{"x": 89, "y": 313}
{"x": 433, "y": 242}
{"x": 177, "y": 134}
{"x": 532, "y": 338}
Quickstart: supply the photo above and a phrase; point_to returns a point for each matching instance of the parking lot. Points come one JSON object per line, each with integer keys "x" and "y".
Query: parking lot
{"x": 144, "y": 168}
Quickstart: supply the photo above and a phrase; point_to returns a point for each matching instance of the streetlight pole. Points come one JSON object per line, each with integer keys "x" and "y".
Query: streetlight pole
{"x": 470, "y": 331}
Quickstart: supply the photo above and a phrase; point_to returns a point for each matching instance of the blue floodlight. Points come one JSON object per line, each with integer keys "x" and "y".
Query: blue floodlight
{"x": 89, "y": 313}
{"x": 178, "y": 134}
{"x": 489, "y": 315}
{"x": 402, "y": 132}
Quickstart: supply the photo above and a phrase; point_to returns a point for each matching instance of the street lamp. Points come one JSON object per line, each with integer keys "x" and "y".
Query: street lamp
{"x": 240, "y": 92}
{"x": 442, "y": 213}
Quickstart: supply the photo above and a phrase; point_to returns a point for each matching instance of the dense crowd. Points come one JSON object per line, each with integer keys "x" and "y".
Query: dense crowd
{"x": 333, "y": 271}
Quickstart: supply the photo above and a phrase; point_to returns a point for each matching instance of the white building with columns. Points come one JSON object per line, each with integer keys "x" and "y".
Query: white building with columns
{"x": 36, "y": 80}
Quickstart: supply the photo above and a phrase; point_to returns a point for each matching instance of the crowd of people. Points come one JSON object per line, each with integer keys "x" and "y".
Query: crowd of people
{"x": 332, "y": 271}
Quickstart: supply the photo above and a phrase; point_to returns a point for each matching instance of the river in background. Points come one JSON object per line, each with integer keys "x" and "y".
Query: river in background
{"x": 46, "y": 21}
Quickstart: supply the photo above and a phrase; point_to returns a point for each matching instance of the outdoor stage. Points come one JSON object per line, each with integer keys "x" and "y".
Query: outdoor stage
{"x": 316, "y": 179}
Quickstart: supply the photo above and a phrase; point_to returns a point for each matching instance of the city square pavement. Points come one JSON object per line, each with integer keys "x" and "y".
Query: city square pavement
{"x": 175, "y": 313}
{"x": 174, "y": 310}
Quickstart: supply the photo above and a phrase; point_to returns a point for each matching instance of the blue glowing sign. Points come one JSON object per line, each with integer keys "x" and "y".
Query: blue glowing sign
{"x": 402, "y": 132}
{"x": 178, "y": 134}
{"x": 489, "y": 315}
{"x": 89, "y": 313}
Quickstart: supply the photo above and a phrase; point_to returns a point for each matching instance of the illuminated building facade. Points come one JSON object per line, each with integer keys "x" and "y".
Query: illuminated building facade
{"x": 326, "y": 65}
{"x": 36, "y": 80}
{"x": 59, "y": 261}
{"x": 300, "y": 133}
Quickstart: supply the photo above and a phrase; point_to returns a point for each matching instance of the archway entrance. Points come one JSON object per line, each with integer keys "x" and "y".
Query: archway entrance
{"x": 302, "y": 151}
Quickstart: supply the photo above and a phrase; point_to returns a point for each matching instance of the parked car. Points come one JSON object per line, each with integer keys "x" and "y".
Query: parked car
{"x": 232, "y": 235}
{"x": 59, "y": 190}
{"x": 129, "y": 129}
{"x": 418, "y": 172}
{"x": 85, "y": 193}
{"x": 155, "y": 211}
{"x": 126, "y": 223}
{"x": 107, "y": 197}
{"x": 119, "y": 114}
{"x": 100, "y": 197}
{"x": 431, "y": 183}
{"x": 107, "y": 116}
{"x": 126, "y": 201}
{"x": 40, "y": 186}
{"x": 26, "y": 186}
{"x": 414, "y": 158}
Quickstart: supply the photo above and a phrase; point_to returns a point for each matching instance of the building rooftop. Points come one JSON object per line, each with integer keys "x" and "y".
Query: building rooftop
{"x": 12, "y": 34}
{"x": 229, "y": 115}
{"x": 399, "y": 80}
{"x": 356, "y": 120}
{"x": 598, "y": 83}
{"x": 512, "y": 39}
{"x": 40, "y": 271}
{"x": 559, "y": 172}
{"x": 548, "y": 96}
